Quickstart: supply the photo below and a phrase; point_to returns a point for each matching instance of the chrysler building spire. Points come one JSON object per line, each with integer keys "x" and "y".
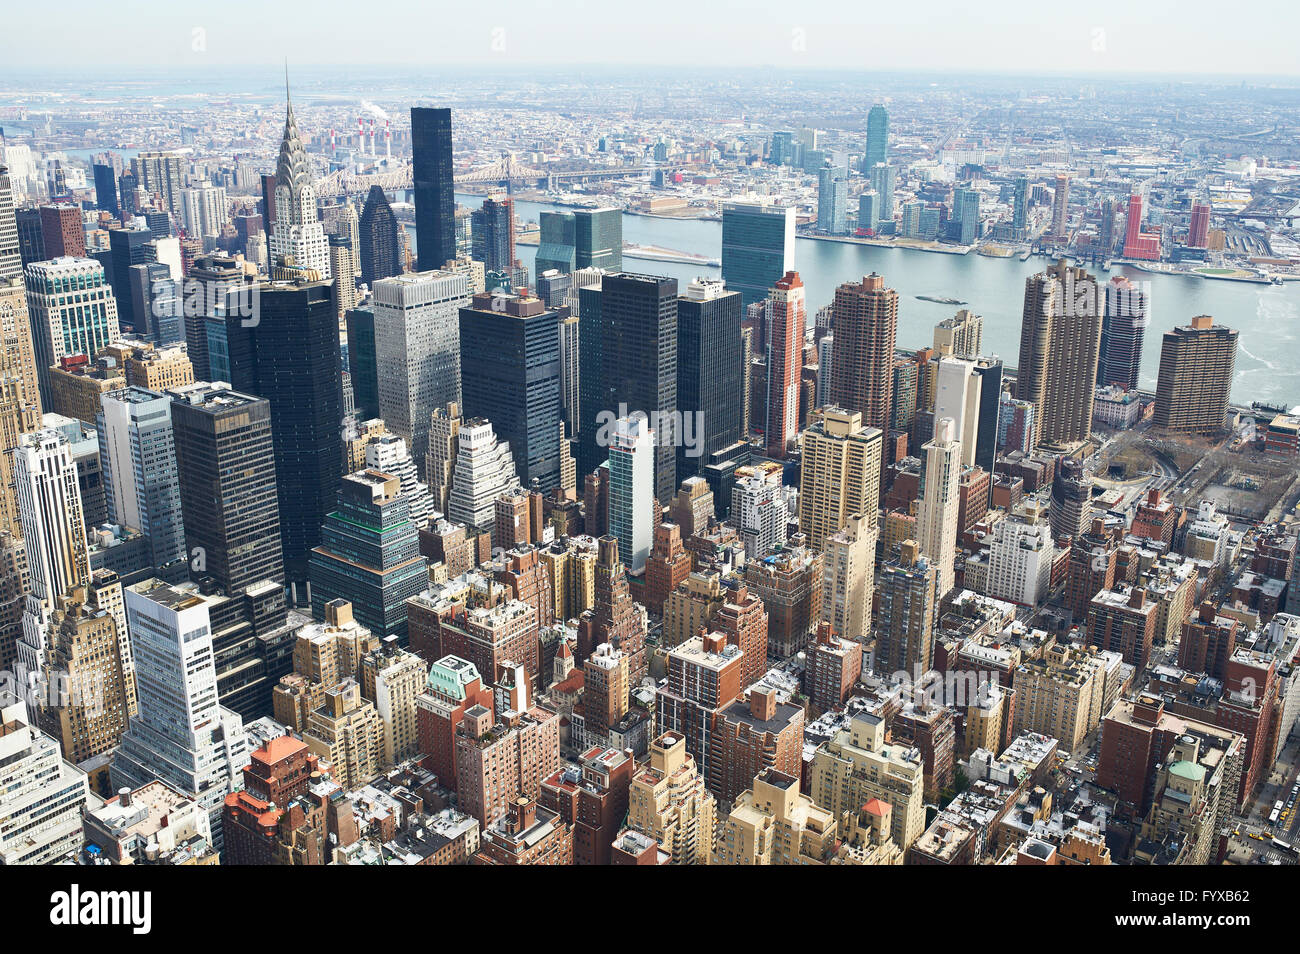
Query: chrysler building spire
{"x": 298, "y": 239}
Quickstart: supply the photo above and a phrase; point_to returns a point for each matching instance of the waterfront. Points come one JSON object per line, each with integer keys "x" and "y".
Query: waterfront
{"x": 1268, "y": 316}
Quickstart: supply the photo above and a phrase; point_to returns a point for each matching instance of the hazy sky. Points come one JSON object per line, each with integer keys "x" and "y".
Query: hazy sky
{"x": 1001, "y": 36}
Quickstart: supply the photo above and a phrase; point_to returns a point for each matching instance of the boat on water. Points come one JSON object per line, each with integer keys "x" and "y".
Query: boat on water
{"x": 940, "y": 301}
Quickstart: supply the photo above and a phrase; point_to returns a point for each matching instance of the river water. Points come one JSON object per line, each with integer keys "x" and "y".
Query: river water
{"x": 1268, "y": 316}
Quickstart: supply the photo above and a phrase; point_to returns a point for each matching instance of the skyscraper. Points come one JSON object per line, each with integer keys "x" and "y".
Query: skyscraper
{"x": 225, "y": 460}
{"x": 840, "y": 475}
{"x": 492, "y": 228}
{"x": 1123, "y": 327}
{"x": 159, "y": 173}
{"x": 381, "y": 251}
{"x": 49, "y": 508}
{"x": 882, "y": 183}
{"x": 1060, "y": 338}
{"x": 1020, "y": 207}
{"x": 138, "y": 460}
{"x": 832, "y": 200}
{"x": 1197, "y": 363}
{"x": 106, "y": 189}
{"x": 363, "y": 368}
{"x": 510, "y": 374}
{"x": 417, "y": 349}
{"x": 638, "y": 365}
{"x": 631, "y": 489}
{"x": 297, "y": 236}
{"x": 11, "y": 259}
{"x": 757, "y": 246}
{"x": 849, "y": 578}
{"x": 866, "y": 329}
{"x": 959, "y": 336}
{"x": 182, "y": 734}
{"x": 905, "y": 622}
{"x": 61, "y": 231}
{"x": 435, "y": 199}
{"x": 582, "y": 238}
{"x": 369, "y": 554}
{"x": 877, "y": 147}
{"x": 936, "y": 520}
{"x": 72, "y": 311}
{"x": 1137, "y": 243}
{"x": 204, "y": 210}
{"x": 20, "y": 403}
{"x": 43, "y": 795}
{"x": 1198, "y": 229}
{"x": 1061, "y": 208}
{"x": 710, "y": 358}
{"x": 484, "y": 469}
{"x": 290, "y": 357}
{"x": 787, "y": 314}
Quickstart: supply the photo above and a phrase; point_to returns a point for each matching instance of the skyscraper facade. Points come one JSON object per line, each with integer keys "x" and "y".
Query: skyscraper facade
{"x": 493, "y": 232}
{"x": 417, "y": 348}
{"x": 877, "y": 145}
{"x": 787, "y": 314}
{"x": 11, "y": 259}
{"x": 832, "y": 200}
{"x": 435, "y": 199}
{"x": 20, "y": 403}
{"x": 840, "y": 475}
{"x": 138, "y": 461}
{"x": 369, "y": 554}
{"x": 297, "y": 237}
{"x": 381, "y": 251}
{"x": 1197, "y": 364}
{"x": 866, "y": 329}
{"x": 638, "y": 365}
{"x": 710, "y": 359}
{"x": 49, "y": 509}
{"x": 182, "y": 734}
{"x": 631, "y": 489}
{"x": 291, "y": 358}
{"x": 1123, "y": 327}
{"x": 1060, "y": 339}
{"x": 582, "y": 238}
{"x": 1061, "y": 208}
{"x": 72, "y": 311}
{"x": 936, "y": 519}
{"x": 510, "y": 374}
{"x": 225, "y": 458}
{"x": 757, "y": 246}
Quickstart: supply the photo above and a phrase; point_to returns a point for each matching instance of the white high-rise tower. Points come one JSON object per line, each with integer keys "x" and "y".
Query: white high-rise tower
{"x": 49, "y": 508}
{"x": 182, "y": 734}
{"x": 632, "y": 489}
{"x": 297, "y": 236}
{"x": 936, "y": 520}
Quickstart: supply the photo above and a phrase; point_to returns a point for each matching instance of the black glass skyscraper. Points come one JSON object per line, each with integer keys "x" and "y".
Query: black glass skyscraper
{"x": 381, "y": 251}
{"x": 989, "y": 371}
{"x": 106, "y": 189}
{"x": 226, "y": 460}
{"x": 435, "y": 198}
{"x": 126, "y": 248}
{"x": 510, "y": 374}
{"x": 362, "y": 361}
{"x": 591, "y": 383}
{"x": 709, "y": 368}
{"x": 288, "y": 353}
{"x": 638, "y": 365}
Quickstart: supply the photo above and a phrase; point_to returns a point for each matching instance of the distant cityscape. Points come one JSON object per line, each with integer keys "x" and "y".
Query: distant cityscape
{"x": 602, "y": 469}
